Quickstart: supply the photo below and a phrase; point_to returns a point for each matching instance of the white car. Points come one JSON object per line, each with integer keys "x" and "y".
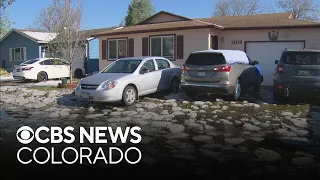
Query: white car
{"x": 128, "y": 78}
{"x": 42, "y": 69}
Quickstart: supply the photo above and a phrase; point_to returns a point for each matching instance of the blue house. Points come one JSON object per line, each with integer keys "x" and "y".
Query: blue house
{"x": 19, "y": 45}
{"x": 93, "y": 50}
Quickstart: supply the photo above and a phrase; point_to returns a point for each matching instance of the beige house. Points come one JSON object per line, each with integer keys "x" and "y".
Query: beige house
{"x": 262, "y": 36}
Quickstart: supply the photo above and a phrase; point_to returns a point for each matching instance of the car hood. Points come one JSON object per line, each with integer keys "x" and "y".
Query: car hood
{"x": 99, "y": 78}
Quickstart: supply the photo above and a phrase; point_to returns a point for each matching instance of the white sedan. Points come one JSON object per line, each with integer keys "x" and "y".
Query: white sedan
{"x": 42, "y": 69}
{"x": 128, "y": 78}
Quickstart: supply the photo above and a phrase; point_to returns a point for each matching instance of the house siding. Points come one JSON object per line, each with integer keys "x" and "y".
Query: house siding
{"x": 310, "y": 36}
{"x": 14, "y": 40}
{"x": 93, "y": 58}
{"x": 194, "y": 40}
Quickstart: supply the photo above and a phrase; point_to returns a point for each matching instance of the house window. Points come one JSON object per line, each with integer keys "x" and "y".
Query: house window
{"x": 162, "y": 46}
{"x": 17, "y": 54}
{"x": 117, "y": 48}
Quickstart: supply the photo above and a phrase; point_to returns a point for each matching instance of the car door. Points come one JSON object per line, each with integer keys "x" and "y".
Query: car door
{"x": 147, "y": 82}
{"x": 47, "y": 66}
{"x": 165, "y": 74}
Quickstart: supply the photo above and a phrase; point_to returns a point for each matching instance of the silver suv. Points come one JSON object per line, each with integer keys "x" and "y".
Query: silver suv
{"x": 220, "y": 72}
{"x": 297, "y": 74}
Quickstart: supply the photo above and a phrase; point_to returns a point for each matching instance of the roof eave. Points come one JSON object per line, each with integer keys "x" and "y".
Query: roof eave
{"x": 272, "y": 27}
{"x": 158, "y": 30}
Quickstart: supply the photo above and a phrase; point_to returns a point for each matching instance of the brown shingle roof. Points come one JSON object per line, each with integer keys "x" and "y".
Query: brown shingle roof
{"x": 156, "y": 27}
{"x": 276, "y": 20}
{"x": 260, "y": 21}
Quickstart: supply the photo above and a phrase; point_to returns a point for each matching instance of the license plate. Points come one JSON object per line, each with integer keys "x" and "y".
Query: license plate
{"x": 303, "y": 73}
{"x": 85, "y": 95}
{"x": 201, "y": 74}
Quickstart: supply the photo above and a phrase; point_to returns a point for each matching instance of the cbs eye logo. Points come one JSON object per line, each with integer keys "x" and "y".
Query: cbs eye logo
{"x": 25, "y": 134}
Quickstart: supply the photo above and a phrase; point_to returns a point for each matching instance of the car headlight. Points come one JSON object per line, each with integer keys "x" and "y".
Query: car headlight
{"x": 109, "y": 85}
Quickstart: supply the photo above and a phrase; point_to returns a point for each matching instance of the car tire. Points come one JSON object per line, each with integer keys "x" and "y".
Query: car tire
{"x": 191, "y": 95}
{"x": 278, "y": 97}
{"x": 78, "y": 74}
{"x": 257, "y": 86}
{"x": 129, "y": 95}
{"x": 42, "y": 76}
{"x": 237, "y": 91}
{"x": 174, "y": 85}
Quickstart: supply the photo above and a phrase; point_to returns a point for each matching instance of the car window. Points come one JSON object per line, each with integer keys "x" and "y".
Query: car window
{"x": 59, "y": 62}
{"x": 301, "y": 58}
{"x": 148, "y": 65}
{"x": 123, "y": 66}
{"x": 203, "y": 59}
{"x": 46, "y": 62}
{"x": 30, "y": 61}
{"x": 162, "y": 64}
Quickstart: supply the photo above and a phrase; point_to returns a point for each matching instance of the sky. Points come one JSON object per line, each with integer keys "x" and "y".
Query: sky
{"x": 106, "y": 13}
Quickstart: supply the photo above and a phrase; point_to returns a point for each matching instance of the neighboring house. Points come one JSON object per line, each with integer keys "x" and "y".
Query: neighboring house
{"x": 19, "y": 45}
{"x": 262, "y": 36}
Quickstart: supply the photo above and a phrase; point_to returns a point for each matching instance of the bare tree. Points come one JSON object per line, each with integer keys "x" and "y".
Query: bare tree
{"x": 64, "y": 19}
{"x": 301, "y": 9}
{"x": 238, "y": 7}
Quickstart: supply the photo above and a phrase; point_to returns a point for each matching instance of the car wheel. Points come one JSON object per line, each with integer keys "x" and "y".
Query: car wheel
{"x": 78, "y": 74}
{"x": 236, "y": 92}
{"x": 174, "y": 85}
{"x": 256, "y": 87}
{"x": 278, "y": 97}
{"x": 192, "y": 95}
{"x": 129, "y": 96}
{"x": 42, "y": 76}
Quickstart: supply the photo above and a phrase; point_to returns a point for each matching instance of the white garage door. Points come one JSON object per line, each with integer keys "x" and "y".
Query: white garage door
{"x": 266, "y": 53}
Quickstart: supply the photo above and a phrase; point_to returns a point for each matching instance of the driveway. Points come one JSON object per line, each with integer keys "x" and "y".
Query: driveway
{"x": 249, "y": 138}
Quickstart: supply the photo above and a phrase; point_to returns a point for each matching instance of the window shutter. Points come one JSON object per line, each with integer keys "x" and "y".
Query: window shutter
{"x": 180, "y": 47}
{"x": 24, "y": 53}
{"x": 104, "y": 49}
{"x": 10, "y": 54}
{"x": 145, "y": 46}
{"x": 131, "y": 47}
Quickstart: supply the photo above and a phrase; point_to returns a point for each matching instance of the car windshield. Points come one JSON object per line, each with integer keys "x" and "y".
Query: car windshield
{"x": 31, "y": 61}
{"x": 123, "y": 66}
{"x": 203, "y": 59}
{"x": 301, "y": 58}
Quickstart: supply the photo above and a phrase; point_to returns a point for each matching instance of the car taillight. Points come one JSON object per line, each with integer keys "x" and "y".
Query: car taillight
{"x": 222, "y": 69}
{"x": 280, "y": 69}
{"x": 184, "y": 68}
{"x": 27, "y": 68}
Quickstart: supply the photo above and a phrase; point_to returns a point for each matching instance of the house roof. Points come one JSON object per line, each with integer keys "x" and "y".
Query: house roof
{"x": 259, "y": 21}
{"x": 163, "y": 26}
{"x": 38, "y": 36}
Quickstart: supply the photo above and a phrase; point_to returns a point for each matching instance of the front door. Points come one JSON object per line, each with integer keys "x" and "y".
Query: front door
{"x": 214, "y": 42}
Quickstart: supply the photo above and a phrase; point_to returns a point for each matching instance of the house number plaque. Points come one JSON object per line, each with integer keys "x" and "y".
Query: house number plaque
{"x": 236, "y": 41}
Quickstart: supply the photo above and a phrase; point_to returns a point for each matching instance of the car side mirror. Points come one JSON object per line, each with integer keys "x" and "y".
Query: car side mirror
{"x": 255, "y": 62}
{"x": 276, "y": 61}
{"x": 143, "y": 71}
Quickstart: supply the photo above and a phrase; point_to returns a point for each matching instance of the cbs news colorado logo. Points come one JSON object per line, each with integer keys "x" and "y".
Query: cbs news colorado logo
{"x": 96, "y": 135}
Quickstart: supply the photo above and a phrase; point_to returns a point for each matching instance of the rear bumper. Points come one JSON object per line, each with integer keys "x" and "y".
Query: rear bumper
{"x": 298, "y": 90}
{"x": 208, "y": 88}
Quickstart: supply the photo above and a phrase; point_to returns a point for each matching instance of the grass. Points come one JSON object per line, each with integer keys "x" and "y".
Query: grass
{"x": 45, "y": 88}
